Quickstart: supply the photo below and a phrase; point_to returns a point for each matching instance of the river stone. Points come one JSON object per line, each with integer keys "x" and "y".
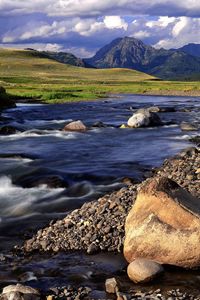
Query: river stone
{"x": 19, "y": 292}
{"x": 111, "y": 285}
{"x": 144, "y": 118}
{"x": 7, "y": 130}
{"x": 185, "y": 126}
{"x": 164, "y": 225}
{"x": 143, "y": 270}
{"x": 75, "y": 126}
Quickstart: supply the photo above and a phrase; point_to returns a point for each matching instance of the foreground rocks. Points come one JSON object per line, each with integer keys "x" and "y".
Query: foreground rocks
{"x": 99, "y": 225}
{"x": 143, "y": 270}
{"x": 19, "y": 292}
{"x": 164, "y": 217}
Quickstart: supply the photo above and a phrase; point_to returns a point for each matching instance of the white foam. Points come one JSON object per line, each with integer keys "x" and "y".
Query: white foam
{"x": 17, "y": 201}
{"x": 41, "y": 133}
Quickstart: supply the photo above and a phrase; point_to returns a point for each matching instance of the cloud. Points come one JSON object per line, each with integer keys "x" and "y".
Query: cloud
{"x": 94, "y": 8}
{"x": 113, "y": 22}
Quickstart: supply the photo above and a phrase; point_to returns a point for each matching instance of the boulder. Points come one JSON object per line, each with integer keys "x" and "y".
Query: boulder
{"x": 185, "y": 126}
{"x": 144, "y": 118}
{"x": 75, "y": 126}
{"x": 143, "y": 270}
{"x": 164, "y": 225}
{"x": 19, "y": 292}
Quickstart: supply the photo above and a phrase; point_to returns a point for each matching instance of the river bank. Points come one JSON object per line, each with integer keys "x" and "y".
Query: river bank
{"x": 88, "y": 166}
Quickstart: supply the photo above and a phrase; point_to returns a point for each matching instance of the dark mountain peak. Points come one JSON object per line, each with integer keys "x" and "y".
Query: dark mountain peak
{"x": 131, "y": 53}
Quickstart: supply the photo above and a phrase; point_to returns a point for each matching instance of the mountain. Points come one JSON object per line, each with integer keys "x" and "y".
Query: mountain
{"x": 67, "y": 58}
{"x": 192, "y": 49}
{"x": 62, "y": 57}
{"x": 131, "y": 53}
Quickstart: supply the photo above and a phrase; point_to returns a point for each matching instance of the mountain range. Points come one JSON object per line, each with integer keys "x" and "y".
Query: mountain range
{"x": 131, "y": 53}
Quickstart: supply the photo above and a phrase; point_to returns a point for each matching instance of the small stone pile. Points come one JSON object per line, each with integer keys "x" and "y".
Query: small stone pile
{"x": 96, "y": 226}
{"x": 184, "y": 169}
{"x": 99, "y": 225}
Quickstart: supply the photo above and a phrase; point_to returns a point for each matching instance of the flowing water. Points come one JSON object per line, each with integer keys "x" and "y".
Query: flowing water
{"x": 84, "y": 166}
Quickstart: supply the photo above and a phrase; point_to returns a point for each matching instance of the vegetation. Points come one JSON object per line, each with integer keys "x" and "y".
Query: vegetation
{"x": 30, "y": 75}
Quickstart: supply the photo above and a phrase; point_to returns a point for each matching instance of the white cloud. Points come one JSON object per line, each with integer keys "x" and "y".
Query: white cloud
{"x": 99, "y": 8}
{"x": 161, "y": 22}
{"x": 113, "y": 22}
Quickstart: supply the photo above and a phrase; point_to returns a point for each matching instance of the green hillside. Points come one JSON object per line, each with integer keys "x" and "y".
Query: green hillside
{"x": 29, "y": 74}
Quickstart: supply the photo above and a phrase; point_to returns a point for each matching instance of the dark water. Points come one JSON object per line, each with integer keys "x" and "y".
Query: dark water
{"x": 88, "y": 164}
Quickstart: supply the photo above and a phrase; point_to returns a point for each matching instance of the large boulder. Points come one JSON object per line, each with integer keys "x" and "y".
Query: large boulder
{"x": 144, "y": 118}
{"x": 75, "y": 126}
{"x": 164, "y": 225}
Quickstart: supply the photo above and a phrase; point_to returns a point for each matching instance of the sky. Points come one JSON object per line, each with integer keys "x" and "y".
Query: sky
{"x": 83, "y": 26}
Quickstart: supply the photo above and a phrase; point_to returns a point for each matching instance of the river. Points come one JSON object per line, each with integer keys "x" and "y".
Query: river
{"x": 83, "y": 165}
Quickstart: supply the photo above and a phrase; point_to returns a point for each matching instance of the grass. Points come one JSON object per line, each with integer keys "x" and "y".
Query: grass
{"x": 26, "y": 74}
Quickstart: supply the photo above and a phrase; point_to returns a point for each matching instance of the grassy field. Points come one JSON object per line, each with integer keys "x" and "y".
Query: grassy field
{"x": 25, "y": 74}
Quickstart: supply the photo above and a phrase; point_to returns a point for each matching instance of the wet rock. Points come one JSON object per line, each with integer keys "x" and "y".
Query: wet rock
{"x": 53, "y": 181}
{"x": 111, "y": 285}
{"x": 144, "y": 118}
{"x": 99, "y": 125}
{"x": 7, "y": 130}
{"x": 75, "y": 126}
{"x": 164, "y": 216}
{"x": 185, "y": 126}
{"x": 20, "y": 292}
{"x": 195, "y": 139}
{"x": 5, "y": 101}
{"x": 143, "y": 270}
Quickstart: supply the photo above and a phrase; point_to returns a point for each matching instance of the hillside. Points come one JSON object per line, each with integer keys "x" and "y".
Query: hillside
{"x": 134, "y": 54}
{"x": 30, "y": 74}
{"x": 192, "y": 49}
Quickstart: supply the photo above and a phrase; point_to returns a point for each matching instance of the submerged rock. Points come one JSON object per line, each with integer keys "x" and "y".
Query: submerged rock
{"x": 144, "y": 118}
{"x": 164, "y": 217}
{"x": 75, "y": 126}
{"x": 7, "y": 130}
{"x": 143, "y": 270}
{"x": 185, "y": 126}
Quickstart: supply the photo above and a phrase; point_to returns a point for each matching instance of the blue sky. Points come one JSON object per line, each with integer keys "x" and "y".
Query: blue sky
{"x": 83, "y": 26}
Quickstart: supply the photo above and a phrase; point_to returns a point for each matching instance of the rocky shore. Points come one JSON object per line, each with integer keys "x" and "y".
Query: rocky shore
{"x": 99, "y": 225}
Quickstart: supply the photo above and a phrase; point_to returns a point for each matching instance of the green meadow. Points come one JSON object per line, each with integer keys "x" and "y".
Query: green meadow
{"x": 29, "y": 75}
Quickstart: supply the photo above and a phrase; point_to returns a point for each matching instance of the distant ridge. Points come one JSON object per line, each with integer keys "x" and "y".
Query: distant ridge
{"x": 192, "y": 49}
{"x": 132, "y": 53}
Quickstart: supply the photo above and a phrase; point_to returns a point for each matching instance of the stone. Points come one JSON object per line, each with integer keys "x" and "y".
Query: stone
{"x": 19, "y": 292}
{"x": 5, "y": 101}
{"x": 164, "y": 225}
{"x": 185, "y": 126}
{"x": 7, "y": 130}
{"x": 111, "y": 285}
{"x": 144, "y": 118}
{"x": 143, "y": 270}
{"x": 75, "y": 126}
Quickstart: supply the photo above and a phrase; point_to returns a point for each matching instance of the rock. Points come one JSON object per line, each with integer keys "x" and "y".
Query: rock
{"x": 7, "y": 130}
{"x": 75, "y": 126}
{"x": 185, "y": 126}
{"x": 143, "y": 270}
{"x": 144, "y": 118}
{"x": 111, "y": 286}
{"x": 99, "y": 124}
{"x": 20, "y": 292}
{"x": 123, "y": 126}
{"x": 164, "y": 216}
{"x": 5, "y": 101}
